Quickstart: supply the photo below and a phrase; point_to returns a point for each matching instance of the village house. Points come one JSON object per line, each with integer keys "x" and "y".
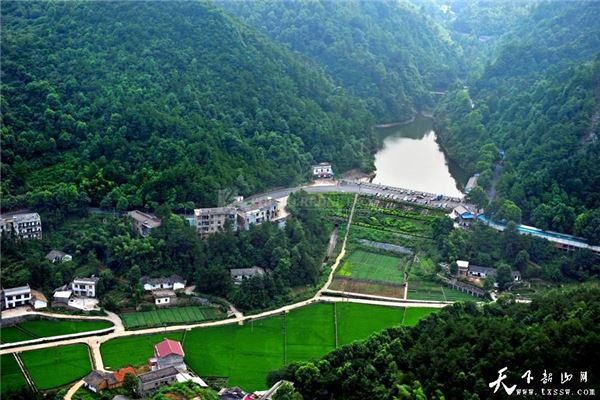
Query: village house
{"x": 153, "y": 380}
{"x": 463, "y": 215}
{"x": 164, "y": 298}
{"x": 257, "y": 212}
{"x": 21, "y": 225}
{"x": 96, "y": 381}
{"x": 231, "y": 394}
{"x": 173, "y": 282}
{"x": 38, "y": 300}
{"x": 322, "y": 170}
{"x": 85, "y": 287}
{"x": 485, "y": 272}
{"x": 463, "y": 267}
{"x": 167, "y": 353}
{"x": 58, "y": 256}
{"x": 62, "y": 296}
{"x": 143, "y": 223}
{"x": 211, "y": 220}
{"x": 239, "y": 274}
{"x": 15, "y": 297}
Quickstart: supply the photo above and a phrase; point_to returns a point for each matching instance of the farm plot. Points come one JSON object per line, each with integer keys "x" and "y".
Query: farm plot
{"x": 246, "y": 354}
{"x": 57, "y": 366}
{"x": 11, "y": 376}
{"x": 169, "y": 316}
{"x": 372, "y": 266}
{"x": 39, "y": 328}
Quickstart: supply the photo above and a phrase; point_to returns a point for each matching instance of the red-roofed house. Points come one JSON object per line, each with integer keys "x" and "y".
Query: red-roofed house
{"x": 167, "y": 353}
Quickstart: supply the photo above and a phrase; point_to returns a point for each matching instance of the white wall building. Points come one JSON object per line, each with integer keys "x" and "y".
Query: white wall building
{"x": 322, "y": 170}
{"x": 85, "y": 287}
{"x": 16, "y": 297}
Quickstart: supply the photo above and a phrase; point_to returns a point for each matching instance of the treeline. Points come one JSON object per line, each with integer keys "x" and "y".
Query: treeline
{"x": 389, "y": 53}
{"x": 536, "y": 102}
{"x": 107, "y": 246}
{"x": 138, "y": 105}
{"x": 458, "y": 352}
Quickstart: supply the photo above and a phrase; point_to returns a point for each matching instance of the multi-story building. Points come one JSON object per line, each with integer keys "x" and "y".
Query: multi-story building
{"x": 15, "y": 297}
{"x": 85, "y": 287}
{"x": 211, "y": 220}
{"x": 22, "y": 225}
{"x": 257, "y": 212}
{"x": 143, "y": 223}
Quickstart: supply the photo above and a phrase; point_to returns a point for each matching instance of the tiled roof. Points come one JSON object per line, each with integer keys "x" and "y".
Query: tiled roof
{"x": 167, "y": 347}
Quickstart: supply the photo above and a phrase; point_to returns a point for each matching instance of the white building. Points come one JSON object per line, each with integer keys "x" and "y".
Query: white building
{"x": 173, "y": 282}
{"x": 58, "y": 256}
{"x": 322, "y": 170}
{"x": 257, "y": 212}
{"x": 16, "y": 297}
{"x": 143, "y": 223}
{"x": 22, "y": 225}
{"x": 85, "y": 287}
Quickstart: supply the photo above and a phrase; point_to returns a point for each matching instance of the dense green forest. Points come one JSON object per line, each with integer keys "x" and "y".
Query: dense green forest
{"x": 140, "y": 104}
{"x": 387, "y": 52}
{"x": 537, "y": 102}
{"x": 108, "y": 247}
{"x": 457, "y": 353}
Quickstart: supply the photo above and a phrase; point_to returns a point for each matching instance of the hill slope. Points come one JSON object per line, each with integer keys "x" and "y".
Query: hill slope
{"x": 386, "y": 52}
{"x": 536, "y": 101}
{"x": 130, "y": 105}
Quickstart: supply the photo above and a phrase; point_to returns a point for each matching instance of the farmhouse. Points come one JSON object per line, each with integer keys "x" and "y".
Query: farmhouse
{"x": 173, "y": 282}
{"x": 21, "y": 225}
{"x": 167, "y": 353}
{"x": 58, "y": 256}
{"x": 231, "y": 394}
{"x": 211, "y": 220}
{"x": 62, "y": 296}
{"x": 164, "y": 298}
{"x": 96, "y": 381}
{"x": 463, "y": 267}
{"x": 255, "y": 213}
{"x": 85, "y": 287}
{"x": 38, "y": 300}
{"x": 322, "y": 170}
{"x": 153, "y": 380}
{"x": 485, "y": 272}
{"x": 15, "y": 297}
{"x": 143, "y": 223}
{"x": 239, "y": 274}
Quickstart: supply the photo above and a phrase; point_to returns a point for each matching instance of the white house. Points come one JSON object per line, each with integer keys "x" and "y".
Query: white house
{"x": 255, "y": 213}
{"x": 173, "y": 282}
{"x": 322, "y": 170}
{"x": 62, "y": 296}
{"x": 38, "y": 300}
{"x": 15, "y": 297}
{"x": 463, "y": 267}
{"x": 85, "y": 287}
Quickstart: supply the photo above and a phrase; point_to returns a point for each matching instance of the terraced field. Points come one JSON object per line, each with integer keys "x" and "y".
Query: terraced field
{"x": 39, "y": 328}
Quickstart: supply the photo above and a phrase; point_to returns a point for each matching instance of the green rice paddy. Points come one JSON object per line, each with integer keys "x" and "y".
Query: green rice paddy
{"x": 11, "y": 375}
{"x": 373, "y": 266}
{"x": 57, "y": 366}
{"x": 246, "y": 354}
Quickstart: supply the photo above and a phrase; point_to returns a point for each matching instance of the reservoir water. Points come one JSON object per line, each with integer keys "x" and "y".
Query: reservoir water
{"x": 411, "y": 158}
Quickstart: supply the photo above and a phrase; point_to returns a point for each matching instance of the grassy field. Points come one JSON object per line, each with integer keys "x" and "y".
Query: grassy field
{"x": 57, "y": 366}
{"x": 169, "y": 316}
{"x": 38, "y": 328}
{"x": 11, "y": 376}
{"x": 372, "y": 266}
{"x": 246, "y": 354}
{"x": 134, "y": 350}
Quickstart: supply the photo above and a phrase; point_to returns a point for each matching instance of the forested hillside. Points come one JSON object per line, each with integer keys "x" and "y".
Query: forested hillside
{"x": 387, "y": 52}
{"x": 457, "y": 353}
{"x": 139, "y": 104}
{"x": 537, "y": 101}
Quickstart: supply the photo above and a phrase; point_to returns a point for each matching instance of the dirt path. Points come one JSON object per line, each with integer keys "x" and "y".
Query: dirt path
{"x": 25, "y": 373}
{"x": 73, "y": 389}
{"x": 332, "y": 242}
